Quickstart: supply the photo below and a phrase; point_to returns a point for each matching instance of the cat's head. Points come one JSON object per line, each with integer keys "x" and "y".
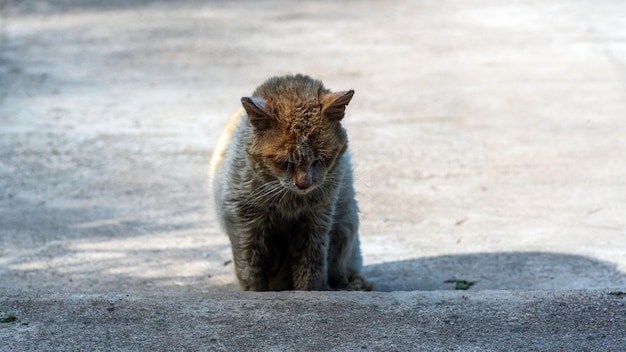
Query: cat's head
{"x": 298, "y": 137}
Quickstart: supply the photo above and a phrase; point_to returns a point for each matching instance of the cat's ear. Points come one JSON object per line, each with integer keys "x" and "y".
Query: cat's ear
{"x": 257, "y": 111}
{"x": 334, "y": 104}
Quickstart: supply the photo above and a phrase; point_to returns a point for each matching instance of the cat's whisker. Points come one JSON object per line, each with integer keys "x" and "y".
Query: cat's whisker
{"x": 260, "y": 193}
{"x": 277, "y": 194}
{"x": 283, "y": 197}
{"x": 268, "y": 191}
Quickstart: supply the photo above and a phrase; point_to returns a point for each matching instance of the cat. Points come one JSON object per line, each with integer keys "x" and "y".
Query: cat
{"x": 283, "y": 190}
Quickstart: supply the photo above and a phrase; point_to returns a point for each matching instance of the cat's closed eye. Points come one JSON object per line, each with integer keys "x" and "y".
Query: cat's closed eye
{"x": 287, "y": 165}
{"x": 319, "y": 163}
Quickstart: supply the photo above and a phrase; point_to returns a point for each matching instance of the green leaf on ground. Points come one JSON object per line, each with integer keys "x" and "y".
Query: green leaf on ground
{"x": 460, "y": 284}
{"x": 8, "y": 319}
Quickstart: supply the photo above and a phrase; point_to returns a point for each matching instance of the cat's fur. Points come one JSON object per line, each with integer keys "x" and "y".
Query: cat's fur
{"x": 283, "y": 190}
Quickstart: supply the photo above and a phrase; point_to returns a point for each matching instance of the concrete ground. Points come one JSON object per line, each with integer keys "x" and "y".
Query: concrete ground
{"x": 489, "y": 146}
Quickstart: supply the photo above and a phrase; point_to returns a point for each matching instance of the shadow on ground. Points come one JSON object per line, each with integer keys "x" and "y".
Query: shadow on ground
{"x": 64, "y": 6}
{"x": 496, "y": 271}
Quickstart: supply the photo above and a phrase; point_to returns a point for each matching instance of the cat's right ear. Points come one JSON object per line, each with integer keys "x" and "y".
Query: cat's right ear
{"x": 256, "y": 108}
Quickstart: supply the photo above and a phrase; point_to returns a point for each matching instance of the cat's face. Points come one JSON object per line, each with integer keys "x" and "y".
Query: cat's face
{"x": 300, "y": 163}
{"x": 297, "y": 142}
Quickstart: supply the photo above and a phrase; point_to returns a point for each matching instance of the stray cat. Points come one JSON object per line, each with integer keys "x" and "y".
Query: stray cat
{"x": 282, "y": 182}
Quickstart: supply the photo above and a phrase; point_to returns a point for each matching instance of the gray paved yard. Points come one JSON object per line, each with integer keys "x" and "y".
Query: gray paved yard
{"x": 489, "y": 141}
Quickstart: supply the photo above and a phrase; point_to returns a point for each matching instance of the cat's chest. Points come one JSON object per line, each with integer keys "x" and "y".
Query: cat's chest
{"x": 280, "y": 226}
{"x": 293, "y": 211}
{"x": 290, "y": 216}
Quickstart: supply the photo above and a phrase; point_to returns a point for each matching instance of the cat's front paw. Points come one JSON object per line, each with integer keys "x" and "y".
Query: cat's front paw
{"x": 358, "y": 283}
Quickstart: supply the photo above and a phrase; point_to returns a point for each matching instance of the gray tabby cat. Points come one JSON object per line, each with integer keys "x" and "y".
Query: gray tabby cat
{"x": 282, "y": 182}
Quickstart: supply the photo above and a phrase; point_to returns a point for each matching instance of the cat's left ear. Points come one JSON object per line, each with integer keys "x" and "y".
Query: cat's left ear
{"x": 334, "y": 104}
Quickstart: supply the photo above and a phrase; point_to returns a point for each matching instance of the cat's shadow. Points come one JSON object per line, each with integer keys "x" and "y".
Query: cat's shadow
{"x": 496, "y": 271}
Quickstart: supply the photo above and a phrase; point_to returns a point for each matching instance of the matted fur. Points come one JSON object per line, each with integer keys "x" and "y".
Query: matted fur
{"x": 282, "y": 183}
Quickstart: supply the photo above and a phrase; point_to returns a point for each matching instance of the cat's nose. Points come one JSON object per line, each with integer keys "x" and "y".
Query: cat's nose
{"x": 303, "y": 181}
{"x": 304, "y": 185}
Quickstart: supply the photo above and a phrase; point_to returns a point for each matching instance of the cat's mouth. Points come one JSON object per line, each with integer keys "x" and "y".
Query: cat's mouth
{"x": 299, "y": 189}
